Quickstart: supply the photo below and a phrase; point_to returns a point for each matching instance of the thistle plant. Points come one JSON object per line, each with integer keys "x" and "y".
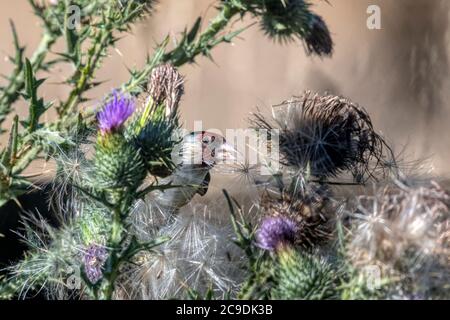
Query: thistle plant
{"x": 323, "y": 136}
{"x": 126, "y": 226}
{"x": 277, "y": 269}
{"x": 310, "y": 244}
{"x": 100, "y": 23}
{"x": 275, "y": 232}
{"x": 199, "y": 257}
{"x": 130, "y": 138}
{"x": 403, "y": 229}
{"x": 311, "y": 208}
{"x": 101, "y": 19}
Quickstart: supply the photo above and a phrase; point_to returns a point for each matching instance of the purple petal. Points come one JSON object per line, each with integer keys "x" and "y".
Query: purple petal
{"x": 115, "y": 112}
{"x": 94, "y": 258}
{"x": 275, "y": 231}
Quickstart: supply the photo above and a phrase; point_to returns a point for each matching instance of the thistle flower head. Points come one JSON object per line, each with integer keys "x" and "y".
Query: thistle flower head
{"x": 318, "y": 39}
{"x": 280, "y": 18}
{"x": 325, "y": 135}
{"x": 115, "y": 112}
{"x": 275, "y": 231}
{"x": 156, "y": 142}
{"x": 286, "y": 20}
{"x": 94, "y": 258}
{"x": 312, "y": 210}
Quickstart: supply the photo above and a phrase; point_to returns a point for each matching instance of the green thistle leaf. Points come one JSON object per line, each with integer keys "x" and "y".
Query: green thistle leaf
{"x": 37, "y": 106}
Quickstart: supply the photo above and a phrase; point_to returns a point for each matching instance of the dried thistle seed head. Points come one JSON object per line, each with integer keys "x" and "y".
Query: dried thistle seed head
{"x": 398, "y": 217}
{"x": 166, "y": 85}
{"x": 308, "y": 210}
{"x": 199, "y": 255}
{"x": 326, "y": 135}
{"x": 403, "y": 229}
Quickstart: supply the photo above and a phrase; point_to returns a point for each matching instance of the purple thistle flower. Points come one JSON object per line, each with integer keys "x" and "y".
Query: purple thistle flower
{"x": 94, "y": 258}
{"x": 115, "y": 112}
{"x": 275, "y": 231}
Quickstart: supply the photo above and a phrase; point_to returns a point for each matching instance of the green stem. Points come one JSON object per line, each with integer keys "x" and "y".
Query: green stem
{"x": 115, "y": 259}
{"x": 207, "y": 39}
{"x": 179, "y": 55}
{"x": 86, "y": 74}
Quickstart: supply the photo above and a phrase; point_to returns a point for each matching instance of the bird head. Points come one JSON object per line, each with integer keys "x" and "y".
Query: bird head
{"x": 206, "y": 149}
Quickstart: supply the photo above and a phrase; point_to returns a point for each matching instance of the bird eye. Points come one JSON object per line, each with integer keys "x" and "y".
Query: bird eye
{"x": 206, "y": 139}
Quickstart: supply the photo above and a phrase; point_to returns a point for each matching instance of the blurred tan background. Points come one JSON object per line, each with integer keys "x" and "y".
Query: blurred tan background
{"x": 400, "y": 73}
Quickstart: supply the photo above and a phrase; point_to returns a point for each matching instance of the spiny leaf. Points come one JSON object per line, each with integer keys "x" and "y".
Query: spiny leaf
{"x": 37, "y": 107}
{"x": 18, "y": 60}
{"x": 9, "y": 156}
{"x": 192, "y": 35}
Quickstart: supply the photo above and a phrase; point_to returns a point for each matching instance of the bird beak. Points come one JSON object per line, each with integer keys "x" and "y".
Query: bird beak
{"x": 225, "y": 153}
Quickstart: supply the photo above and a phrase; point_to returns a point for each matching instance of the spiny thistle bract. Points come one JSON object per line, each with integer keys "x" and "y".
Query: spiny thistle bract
{"x": 118, "y": 164}
{"x": 325, "y": 135}
{"x": 287, "y": 20}
{"x": 156, "y": 142}
{"x": 303, "y": 276}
